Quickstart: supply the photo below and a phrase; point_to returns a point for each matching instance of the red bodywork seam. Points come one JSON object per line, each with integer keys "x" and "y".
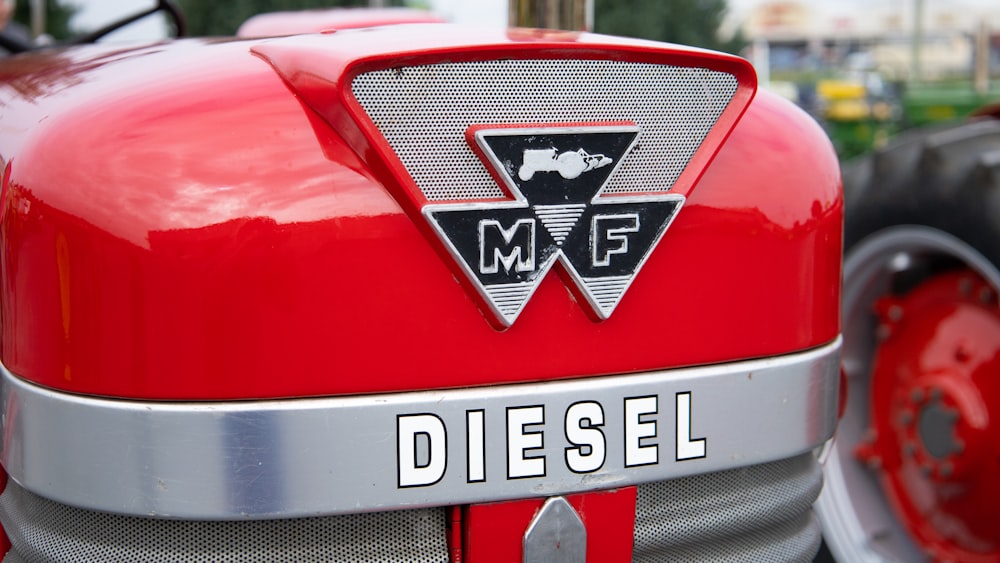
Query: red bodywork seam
{"x": 454, "y": 533}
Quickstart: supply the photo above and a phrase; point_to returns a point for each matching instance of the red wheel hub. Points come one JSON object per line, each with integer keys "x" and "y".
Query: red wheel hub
{"x": 935, "y": 391}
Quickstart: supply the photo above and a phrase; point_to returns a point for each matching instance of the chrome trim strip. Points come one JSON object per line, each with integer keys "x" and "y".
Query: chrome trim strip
{"x": 307, "y": 457}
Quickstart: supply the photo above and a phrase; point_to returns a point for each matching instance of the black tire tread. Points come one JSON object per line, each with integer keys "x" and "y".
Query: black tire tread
{"x": 943, "y": 177}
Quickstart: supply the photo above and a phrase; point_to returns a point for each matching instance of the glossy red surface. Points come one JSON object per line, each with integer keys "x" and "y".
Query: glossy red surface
{"x": 178, "y": 225}
{"x": 934, "y": 395}
{"x": 494, "y": 533}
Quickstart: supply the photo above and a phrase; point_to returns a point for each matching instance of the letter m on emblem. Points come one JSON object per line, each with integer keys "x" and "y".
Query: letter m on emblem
{"x": 512, "y": 247}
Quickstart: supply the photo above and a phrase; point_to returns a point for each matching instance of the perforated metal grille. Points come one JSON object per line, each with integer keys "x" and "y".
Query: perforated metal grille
{"x": 757, "y": 513}
{"x": 42, "y": 530}
{"x": 424, "y": 112}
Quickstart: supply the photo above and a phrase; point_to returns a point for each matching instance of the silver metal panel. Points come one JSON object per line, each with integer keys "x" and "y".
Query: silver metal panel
{"x": 42, "y": 530}
{"x": 289, "y": 458}
{"x": 424, "y": 111}
{"x": 757, "y": 513}
{"x": 556, "y": 535}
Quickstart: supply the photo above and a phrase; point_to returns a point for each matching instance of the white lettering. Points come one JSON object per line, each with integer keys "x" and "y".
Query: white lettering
{"x": 582, "y": 422}
{"x": 519, "y": 442}
{"x": 686, "y": 447}
{"x": 513, "y": 247}
{"x": 422, "y": 441}
{"x": 637, "y": 429}
{"x": 475, "y": 425}
{"x": 608, "y": 229}
{"x": 422, "y": 449}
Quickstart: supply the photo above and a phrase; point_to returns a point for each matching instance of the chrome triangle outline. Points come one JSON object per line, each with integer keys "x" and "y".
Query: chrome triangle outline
{"x": 505, "y": 305}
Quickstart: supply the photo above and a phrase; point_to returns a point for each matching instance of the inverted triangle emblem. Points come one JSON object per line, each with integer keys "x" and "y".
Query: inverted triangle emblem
{"x": 557, "y": 213}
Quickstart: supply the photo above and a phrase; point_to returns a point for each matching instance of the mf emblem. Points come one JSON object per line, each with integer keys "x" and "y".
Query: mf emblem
{"x": 555, "y": 175}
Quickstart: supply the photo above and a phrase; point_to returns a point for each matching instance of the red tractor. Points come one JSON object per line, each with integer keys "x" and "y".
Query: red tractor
{"x": 290, "y": 299}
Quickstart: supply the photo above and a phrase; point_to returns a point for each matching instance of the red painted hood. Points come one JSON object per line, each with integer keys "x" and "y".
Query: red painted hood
{"x": 211, "y": 220}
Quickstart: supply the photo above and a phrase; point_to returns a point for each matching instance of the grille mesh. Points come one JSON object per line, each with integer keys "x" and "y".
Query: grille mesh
{"x": 423, "y": 112}
{"x": 42, "y": 530}
{"x": 757, "y": 513}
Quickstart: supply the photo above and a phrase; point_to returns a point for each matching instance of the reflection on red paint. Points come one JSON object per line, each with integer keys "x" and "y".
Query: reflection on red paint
{"x": 226, "y": 243}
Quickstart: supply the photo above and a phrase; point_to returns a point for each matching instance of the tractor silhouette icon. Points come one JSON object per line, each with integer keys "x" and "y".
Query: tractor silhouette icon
{"x": 569, "y": 164}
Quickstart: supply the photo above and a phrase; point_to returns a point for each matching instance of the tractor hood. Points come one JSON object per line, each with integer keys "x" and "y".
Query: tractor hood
{"x": 403, "y": 208}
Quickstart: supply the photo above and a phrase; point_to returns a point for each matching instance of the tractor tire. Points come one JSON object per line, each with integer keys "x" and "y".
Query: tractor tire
{"x": 913, "y": 470}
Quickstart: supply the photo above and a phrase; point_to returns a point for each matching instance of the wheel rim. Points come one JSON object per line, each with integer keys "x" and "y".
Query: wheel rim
{"x": 873, "y": 506}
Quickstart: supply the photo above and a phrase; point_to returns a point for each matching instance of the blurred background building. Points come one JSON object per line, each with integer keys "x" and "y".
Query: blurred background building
{"x": 879, "y": 34}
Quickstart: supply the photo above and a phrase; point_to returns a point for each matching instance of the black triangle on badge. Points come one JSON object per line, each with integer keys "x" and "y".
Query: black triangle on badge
{"x": 555, "y": 175}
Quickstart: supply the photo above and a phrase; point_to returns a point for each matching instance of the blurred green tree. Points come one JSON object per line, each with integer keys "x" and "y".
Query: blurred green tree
{"x": 57, "y": 17}
{"x": 688, "y": 22}
{"x": 211, "y": 17}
